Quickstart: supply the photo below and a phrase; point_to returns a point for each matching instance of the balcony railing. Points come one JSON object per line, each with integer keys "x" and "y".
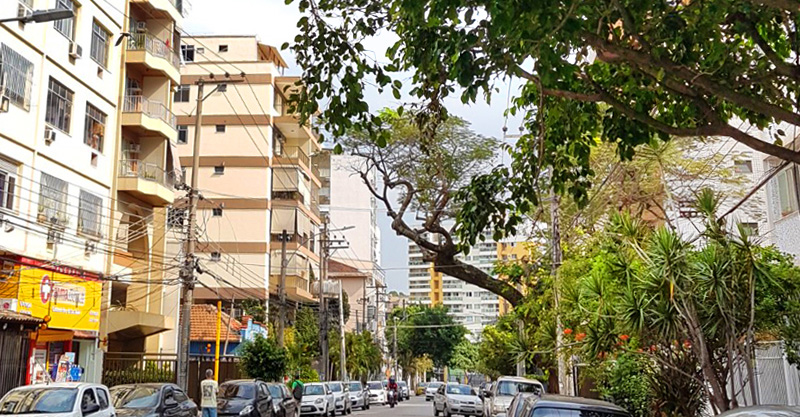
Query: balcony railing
{"x": 288, "y": 195}
{"x": 295, "y": 152}
{"x": 134, "y": 168}
{"x": 154, "y": 109}
{"x": 154, "y": 46}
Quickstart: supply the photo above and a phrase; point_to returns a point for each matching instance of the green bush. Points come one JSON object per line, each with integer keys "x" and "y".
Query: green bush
{"x": 625, "y": 382}
{"x": 263, "y": 359}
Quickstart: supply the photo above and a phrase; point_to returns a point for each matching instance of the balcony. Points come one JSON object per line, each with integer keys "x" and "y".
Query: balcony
{"x": 146, "y": 181}
{"x": 153, "y": 54}
{"x": 295, "y": 155}
{"x": 149, "y": 117}
{"x": 174, "y": 10}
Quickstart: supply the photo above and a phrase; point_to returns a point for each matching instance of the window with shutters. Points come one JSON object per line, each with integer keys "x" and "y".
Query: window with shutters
{"x": 53, "y": 200}
{"x": 59, "y": 106}
{"x": 16, "y": 75}
{"x": 100, "y": 38}
{"x": 90, "y": 208}
{"x": 8, "y": 184}
{"x": 786, "y": 183}
{"x": 66, "y": 26}
{"x": 95, "y": 127}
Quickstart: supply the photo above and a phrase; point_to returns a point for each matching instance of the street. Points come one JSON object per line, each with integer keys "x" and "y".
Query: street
{"x": 415, "y": 407}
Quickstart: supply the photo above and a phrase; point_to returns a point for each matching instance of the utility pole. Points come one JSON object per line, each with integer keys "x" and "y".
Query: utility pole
{"x": 282, "y": 289}
{"x": 342, "y": 353}
{"x": 189, "y": 264}
{"x": 323, "y": 311}
{"x": 565, "y": 388}
{"x": 364, "y": 303}
{"x": 395, "y": 347}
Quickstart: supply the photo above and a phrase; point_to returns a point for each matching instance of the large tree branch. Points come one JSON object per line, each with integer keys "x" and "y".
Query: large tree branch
{"x": 788, "y": 5}
{"x": 781, "y": 66}
{"x": 447, "y": 264}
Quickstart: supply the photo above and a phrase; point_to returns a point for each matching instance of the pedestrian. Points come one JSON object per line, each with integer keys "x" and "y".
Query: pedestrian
{"x": 209, "y": 388}
{"x": 297, "y": 388}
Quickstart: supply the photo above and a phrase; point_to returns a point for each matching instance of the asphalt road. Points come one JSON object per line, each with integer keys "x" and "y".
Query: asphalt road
{"x": 415, "y": 407}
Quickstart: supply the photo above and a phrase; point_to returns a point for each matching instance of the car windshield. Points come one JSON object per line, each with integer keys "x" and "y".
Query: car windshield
{"x": 39, "y": 401}
{"x": 313, "y": 390}
{"x": 275, "y": 391}
{"x": 245, "y": 391}
{"x": 402, "y": 384}
{"x": 355, "y": 386}
{"x": 134, "y": 397}
{"x": 434, "y": 385}
{"x": 335, "y": 387}
{"x": 375, "y": 385}
{"x": 514, "y": 387}
{"x": 460, "y": 390}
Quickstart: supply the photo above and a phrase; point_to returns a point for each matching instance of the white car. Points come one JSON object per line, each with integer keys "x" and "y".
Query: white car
{"x": 430, "y": 390}
{"x": 341, "y": 397}
{"x": 498, "y": 398}
{"x": 377, "y": 395}
{"x": 460, "y": 399}
{"x": 317, "y": 400}
{"x": 67, "y": 399}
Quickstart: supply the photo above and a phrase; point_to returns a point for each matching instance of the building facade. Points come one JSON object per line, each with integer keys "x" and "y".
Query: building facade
{"x": 255, "y": 175}
{"x": 59, "y": 88}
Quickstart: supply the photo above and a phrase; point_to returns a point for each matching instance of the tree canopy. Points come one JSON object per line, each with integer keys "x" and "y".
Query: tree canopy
{"x": 425, "y": 332}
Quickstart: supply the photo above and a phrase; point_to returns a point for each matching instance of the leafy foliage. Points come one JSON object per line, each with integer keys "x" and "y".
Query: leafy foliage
{"x": 436, "y": 337}
{"x": 255, "y": 308}
{"x": 263, "y": 359}
{"x": 306, "y": 329}
{"x": 465, "y": 356}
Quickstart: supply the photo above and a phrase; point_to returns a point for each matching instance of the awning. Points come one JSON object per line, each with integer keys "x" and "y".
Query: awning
{"x": 173, "y": 163}
{"x": 50, "y": 335}
{"x": 127, "y": 324}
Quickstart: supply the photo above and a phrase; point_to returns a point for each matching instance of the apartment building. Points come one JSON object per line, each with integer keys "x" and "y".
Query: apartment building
{"x": 349, "y": 205}
{"x": 255, "y": 175}
{"x": 782, "y": 200}
{"x": 472, "y": 306}
{"x": 59, "y": 85}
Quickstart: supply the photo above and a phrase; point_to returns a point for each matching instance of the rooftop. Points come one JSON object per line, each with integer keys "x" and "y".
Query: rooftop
{"x": 204, "y": 324}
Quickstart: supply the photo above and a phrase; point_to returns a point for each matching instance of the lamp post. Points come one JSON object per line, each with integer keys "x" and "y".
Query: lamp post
{"x": 41, "y": 16}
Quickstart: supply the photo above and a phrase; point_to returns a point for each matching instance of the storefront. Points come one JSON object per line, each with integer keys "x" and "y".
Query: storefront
{"x": 68, "y": 301}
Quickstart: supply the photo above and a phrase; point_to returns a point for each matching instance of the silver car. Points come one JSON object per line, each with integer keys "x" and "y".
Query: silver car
{"x": 341, "y": 397}
{"x": 460, "y": 399}
{"x": 431, "y": 389}
{"x": 359, "y": 396}
{"x": 499, "y": 397}
{"x": 317, "y": 400}
{"x": 65, "y": 399}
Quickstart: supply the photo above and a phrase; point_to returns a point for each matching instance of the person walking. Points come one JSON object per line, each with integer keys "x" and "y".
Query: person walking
{"x": 209, "y": 390}
{"x": 297, "y": 388}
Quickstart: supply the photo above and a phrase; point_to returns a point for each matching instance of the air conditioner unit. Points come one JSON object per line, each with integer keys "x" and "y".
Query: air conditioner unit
{"x": 49, "y": 135}
{"x": 141, "y": 27}
{"x": 75, "y": 50}
{"x": 91, "y": 247}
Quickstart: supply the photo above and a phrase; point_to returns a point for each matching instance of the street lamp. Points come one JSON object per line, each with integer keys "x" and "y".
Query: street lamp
{"x": 41, "y": 16}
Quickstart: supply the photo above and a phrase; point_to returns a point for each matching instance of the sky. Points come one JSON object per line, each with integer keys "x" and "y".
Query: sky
{"x": 274, "y": 23}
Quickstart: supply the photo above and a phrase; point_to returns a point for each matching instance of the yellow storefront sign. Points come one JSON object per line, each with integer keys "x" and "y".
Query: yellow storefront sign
{"x": 70, "y": 301}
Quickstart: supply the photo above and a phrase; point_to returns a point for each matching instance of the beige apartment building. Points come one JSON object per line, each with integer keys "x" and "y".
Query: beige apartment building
{"x": 256, "y": 174}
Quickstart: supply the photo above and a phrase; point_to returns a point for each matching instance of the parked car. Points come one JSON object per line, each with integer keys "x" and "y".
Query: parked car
{"x": 317, "y": 400}
{"x": 502, "y": 391}
{"x": 156, "y": 400}
{"x": 67, "y": 399}
{"x": 282, "y": 401}
{"x": 244, "y": 398}
{"x": 405, "y": 393}
{"x": 359, "y": 396}
{"x": 377, "y": 394}
{"x": 420, "y": 388}
{"x": 517, "y": 404}
{"x": 431, "y": 389}
{"x": 341, "y": 397}
{"x": 562, "y": 406}
{"x": 763, "y": 411}
{"x": 453, "y": 399}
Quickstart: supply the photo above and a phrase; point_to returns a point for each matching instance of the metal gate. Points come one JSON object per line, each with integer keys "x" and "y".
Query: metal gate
{"x": 13, "y": 362}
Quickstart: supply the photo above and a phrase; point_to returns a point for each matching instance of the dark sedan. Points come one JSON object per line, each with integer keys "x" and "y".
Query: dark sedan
{"x": 244, "y": 398}
{"x": 283, "y": 401}
{"x": 158, "y": 400}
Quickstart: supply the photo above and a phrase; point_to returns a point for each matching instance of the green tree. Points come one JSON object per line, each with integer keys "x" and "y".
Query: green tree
{"x": 306, "y": 328}
{"x": 426, "y": 331}
{"x": 465, "y": 356}
{"x": 263, "y": 359}
{"x": 255, "y": 308}
{"x": 364, "y": 357}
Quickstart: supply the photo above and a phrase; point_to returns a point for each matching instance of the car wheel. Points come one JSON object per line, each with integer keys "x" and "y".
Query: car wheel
{"x": 446, "y": 412}
{"x": 435, "y": 410}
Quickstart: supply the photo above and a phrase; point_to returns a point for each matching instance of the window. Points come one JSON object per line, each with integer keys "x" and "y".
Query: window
{"x": 95, "y": 128}
{"x": 8, "y": 181}
{"x": 216, "y": 212}
{"x": 216, "y": 256}
{"x": 53, "y": 199}
{"x": 223, "y": 48}
{"x": 17, "y": 73}
{"x": 179, "y": 396}
{"x": 182, "y": 94}
{"x": 200, "y": 51}
{"x": 90, "y": 207}
{"x": 787, "y": 191}
{"x": 59, "y": 106}
{"x": 66, "y": 26}
{"x": 743, "y": 167}
{"x": 100, "y": 38}
{"x": 220, "y": 128}
{"x": 219, "y": 169}
{"x": 187, "y": 53}
{"x": 102, "y": 398}
{"x": 183, "y": 134}
{"x": 88, "y": 399}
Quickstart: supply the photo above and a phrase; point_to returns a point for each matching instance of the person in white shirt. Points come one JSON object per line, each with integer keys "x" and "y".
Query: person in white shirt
{"x": 209, "y": 389}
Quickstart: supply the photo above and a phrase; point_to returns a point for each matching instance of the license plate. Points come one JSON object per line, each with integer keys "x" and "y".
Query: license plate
{"x": 307, "y": 408}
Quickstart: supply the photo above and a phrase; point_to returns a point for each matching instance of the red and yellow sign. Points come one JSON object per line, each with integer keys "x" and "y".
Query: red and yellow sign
{"x": 69, "y": 298}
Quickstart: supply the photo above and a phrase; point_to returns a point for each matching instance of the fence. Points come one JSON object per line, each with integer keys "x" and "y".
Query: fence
{"x": 777, "y": 381}
{"x": 137, "y": 368}
{"x": 228, "y": 370}
{"x": 134, "y": 168}
{"x": 154, "y": 46}
{"x": 154, "y": 109}
{"x": 13, "y": 363}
